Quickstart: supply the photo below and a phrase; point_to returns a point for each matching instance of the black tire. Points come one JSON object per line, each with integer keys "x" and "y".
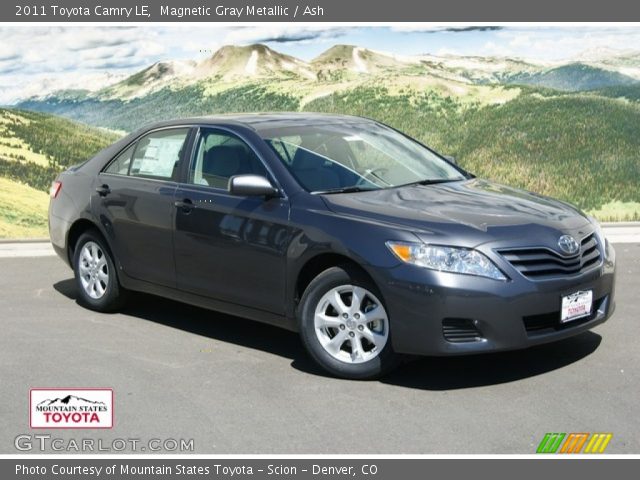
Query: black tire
{"x": 113, "y": 296}
{"x": 331, "y": 278}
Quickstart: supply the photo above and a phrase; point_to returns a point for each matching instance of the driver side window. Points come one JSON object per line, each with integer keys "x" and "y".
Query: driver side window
{"x": 220, "y": 156}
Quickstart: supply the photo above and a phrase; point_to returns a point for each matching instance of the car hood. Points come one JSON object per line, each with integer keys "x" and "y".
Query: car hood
{"x": 478, "y": 207}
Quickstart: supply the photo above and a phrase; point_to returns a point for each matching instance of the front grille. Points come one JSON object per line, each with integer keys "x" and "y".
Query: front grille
{"x": 539, "y": 263}
{"x": 548, "y": 322}
{"x": 460, "y": 330}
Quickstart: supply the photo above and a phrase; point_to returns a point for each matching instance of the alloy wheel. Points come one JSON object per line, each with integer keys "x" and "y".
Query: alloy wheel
{"x": 93, "y": 270}
{"x": 351, "y": 324}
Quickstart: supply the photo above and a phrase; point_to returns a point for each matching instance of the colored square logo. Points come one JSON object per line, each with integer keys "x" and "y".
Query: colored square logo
{"x": 81, "y": 408}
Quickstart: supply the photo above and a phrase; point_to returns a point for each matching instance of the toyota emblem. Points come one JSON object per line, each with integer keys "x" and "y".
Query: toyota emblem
{"x": 568, "y": 244}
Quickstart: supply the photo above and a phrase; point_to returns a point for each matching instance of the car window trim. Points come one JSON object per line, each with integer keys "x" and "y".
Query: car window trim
{"x": 196, "y": 138}
{"x": 136, "y": 140}
{"x": 146, "y": 179}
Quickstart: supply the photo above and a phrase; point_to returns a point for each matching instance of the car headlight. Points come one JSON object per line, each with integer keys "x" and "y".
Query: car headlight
{"x": 446, "y": 259}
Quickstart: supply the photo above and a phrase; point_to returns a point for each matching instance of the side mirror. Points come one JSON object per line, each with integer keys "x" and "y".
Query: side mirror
{"x": 451, "y": 159}
{"x": 251, "y": 186}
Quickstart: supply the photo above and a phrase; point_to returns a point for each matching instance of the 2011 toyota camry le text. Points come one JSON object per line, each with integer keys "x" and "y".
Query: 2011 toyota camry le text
{"x": 369, "y": 244}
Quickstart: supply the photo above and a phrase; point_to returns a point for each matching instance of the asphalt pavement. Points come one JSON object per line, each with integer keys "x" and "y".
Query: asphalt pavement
{"x": 235, "y": 386}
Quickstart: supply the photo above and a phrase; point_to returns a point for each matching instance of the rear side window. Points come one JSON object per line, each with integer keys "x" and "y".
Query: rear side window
{"x": 158, "y": 154}
{"x": 120, "y": 166}
{"x": 155, "y": 155}
{"x": 220, "y": 156}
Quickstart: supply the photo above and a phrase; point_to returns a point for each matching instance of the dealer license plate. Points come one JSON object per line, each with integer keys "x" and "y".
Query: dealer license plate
{"x": 576, "y": 305}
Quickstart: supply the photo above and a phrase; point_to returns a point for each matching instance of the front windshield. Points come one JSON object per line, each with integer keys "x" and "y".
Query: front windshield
{"x": 355, "y": 156}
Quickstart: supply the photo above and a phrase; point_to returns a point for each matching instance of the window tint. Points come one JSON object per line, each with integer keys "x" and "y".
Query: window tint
{"x": 319, "y": 165}
{"x": 366, "y": 155}
{"x": 286, "y": 148}
{"x": 220, "y": 156}
{"x": 158, "y": 154}
{"x": 120, "y": 166}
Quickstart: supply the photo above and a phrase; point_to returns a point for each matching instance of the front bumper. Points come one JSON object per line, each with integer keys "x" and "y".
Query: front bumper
{"x": 510, "y": 315}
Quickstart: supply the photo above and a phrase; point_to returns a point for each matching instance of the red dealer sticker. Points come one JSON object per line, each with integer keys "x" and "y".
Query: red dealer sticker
{"x": 71, "y": 408}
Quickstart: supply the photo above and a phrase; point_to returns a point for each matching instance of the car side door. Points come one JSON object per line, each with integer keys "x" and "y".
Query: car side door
{"x": 227, "y": 247}
{"x": 134, "y": 202}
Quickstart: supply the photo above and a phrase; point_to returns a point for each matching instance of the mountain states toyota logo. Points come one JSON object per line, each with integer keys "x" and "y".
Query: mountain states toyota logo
{"x": 71, "y": 408}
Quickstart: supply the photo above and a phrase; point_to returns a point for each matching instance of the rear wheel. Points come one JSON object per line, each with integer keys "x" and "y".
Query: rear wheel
{"x": 345, "y": 326}
{"x": 95, "y": 273}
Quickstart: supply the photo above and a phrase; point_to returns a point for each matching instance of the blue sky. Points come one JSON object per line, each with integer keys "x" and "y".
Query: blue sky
{"x": 34, "y": 60}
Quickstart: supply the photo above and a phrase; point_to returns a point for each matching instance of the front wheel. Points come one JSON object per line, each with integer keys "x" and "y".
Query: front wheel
{"x": 345, "y": 326}
{"x": 95, "y": 274}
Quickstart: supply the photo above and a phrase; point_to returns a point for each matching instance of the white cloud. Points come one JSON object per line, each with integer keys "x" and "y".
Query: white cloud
{"x": 565, "y": 43}
{"x": 496, "y": 49}
{"x": 35, "y": 85}
{"x": 8, "y": 52}
{"x": 37, "y": 59}
{"x": 282, "y": 34}
{"x": 451, "y": 28}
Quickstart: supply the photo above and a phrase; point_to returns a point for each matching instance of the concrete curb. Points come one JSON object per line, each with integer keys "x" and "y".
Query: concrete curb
{"x": 23, "y": 240}
{"x": 26, "y": 249}
{"x": 620, "y": 224}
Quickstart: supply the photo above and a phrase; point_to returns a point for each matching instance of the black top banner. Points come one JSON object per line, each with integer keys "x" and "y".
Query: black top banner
{"x": 318, "y": 11}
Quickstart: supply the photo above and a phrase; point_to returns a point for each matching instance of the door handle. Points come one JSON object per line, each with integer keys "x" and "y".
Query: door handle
{"x": 103, "y": 190}
{"x": 185, "y": 205}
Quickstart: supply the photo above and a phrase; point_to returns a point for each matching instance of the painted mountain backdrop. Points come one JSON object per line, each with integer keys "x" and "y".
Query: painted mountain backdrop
{"x": 570, "y": 130}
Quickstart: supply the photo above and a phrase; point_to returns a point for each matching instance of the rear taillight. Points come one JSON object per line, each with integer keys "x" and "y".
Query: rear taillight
{"x": 55, "y": 189}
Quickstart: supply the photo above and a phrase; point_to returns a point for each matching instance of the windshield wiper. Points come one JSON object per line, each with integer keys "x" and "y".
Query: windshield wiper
{"x": 351, "y": 189}
{"x": 432, "y": 181}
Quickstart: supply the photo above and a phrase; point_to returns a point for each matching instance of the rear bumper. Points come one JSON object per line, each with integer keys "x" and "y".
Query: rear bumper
{"x": 511, "y": 315}
{"x": 58, "y": 230}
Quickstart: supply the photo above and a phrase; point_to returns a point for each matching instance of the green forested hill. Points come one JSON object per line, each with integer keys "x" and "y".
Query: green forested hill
{"x": 573, "y": 77}
{"x": 628, "y": 92}
{"x": 579, "y": 148}
{"x": 166, "y": 104}
{"x": 34, "y": 147}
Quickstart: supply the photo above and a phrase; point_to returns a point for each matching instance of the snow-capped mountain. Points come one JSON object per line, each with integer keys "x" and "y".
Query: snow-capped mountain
{"x": 343, "y": 66}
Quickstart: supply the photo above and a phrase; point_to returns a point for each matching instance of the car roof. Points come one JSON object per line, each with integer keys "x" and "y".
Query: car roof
{"x": 263, "y": 121}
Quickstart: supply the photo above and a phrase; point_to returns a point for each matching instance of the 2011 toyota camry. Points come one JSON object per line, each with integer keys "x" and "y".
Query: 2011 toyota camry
{"x": 366, "y": 242}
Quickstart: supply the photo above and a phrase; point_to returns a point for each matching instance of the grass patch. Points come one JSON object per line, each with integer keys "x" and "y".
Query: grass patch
{"x": 23, "y": 211}
{"x": 617, "y": 212}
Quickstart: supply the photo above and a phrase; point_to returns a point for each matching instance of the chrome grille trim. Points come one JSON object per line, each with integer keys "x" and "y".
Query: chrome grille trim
{"x": 541, "y": 263}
